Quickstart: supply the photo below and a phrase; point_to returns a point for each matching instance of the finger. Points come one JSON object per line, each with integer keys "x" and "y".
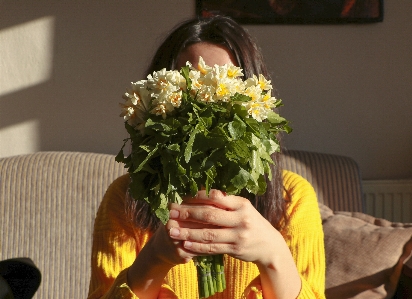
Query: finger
{"x": 217, "y": 198}
{"x": 184, "y": 254}
{"x": 213, "y": 248}
{"x": 189, "y": 224}
{"x": 205, "y": 235}
{"x": 181, "y": 254}
{"x": 204, "y": 215}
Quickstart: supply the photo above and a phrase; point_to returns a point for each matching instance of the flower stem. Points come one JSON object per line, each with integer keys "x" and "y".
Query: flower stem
{"x": 211, "y": 277}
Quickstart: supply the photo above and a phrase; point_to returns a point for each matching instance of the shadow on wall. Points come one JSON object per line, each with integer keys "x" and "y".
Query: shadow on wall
{"x": 67, "y": 66}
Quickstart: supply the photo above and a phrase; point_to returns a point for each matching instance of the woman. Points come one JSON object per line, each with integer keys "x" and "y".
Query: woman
{"x": 273, "y": 244}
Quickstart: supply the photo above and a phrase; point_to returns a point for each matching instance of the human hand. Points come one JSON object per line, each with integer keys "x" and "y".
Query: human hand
{"x": 220, "y": 224}
{"x": 146, "y": 275}
{"x": 171, "y": 250}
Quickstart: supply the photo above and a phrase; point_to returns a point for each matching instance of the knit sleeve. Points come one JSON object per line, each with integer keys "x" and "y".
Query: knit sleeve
{"x": 115, "y": 246}
{"x": 304, "y": 235}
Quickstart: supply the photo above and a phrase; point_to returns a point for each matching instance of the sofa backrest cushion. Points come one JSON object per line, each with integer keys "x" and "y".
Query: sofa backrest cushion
{"x": 336, "y": 179}
{"x": 48, "y": 202}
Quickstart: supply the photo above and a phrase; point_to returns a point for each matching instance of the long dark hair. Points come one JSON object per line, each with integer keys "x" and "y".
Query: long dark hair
{"x": 224, "y": 31}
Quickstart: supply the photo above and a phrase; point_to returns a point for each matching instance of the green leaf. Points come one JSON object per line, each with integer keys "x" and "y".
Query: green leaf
{"x": 173, "y": 147}
{"x": 241, "y": 98}
{"x": 270, "y": 146}
{"x": 241, "y": 179}
{"x": 210, "y": 178}
{"x": 256, "y": 164}
{"x": 176, "y": 198}
{"x": 185, "y": 73}
{"x": 236, "y": 128}
{"x": 253, "y": 126}
{"x": 157, "y": 125}
{"x": 238, "y": 150}
{"x": 261, "y": 149}
{"x": 120, "y": 156}
{"x": 275, "y": 118}
{"x": 131, "y": 131}
{"x": 287, "y": 129}
{"x": 189, "y": 146}
{"x": 162, "y": 214}
{"x": 148, "y": 157}
{"x": 193, "y": 187}
{"x": 138, "y": 186}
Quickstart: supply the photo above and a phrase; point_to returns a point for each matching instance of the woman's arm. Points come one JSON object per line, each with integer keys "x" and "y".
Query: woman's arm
{"x": 304, "y": 230}
{"x": 146, "y": 276}
{"x": 114, "y": 242}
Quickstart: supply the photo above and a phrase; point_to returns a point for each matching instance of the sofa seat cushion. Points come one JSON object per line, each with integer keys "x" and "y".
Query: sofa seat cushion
{"x": 364, "y": 254}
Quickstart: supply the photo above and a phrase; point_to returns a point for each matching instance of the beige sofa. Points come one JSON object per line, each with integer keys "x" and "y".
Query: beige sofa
{"x": 48, "y": 201}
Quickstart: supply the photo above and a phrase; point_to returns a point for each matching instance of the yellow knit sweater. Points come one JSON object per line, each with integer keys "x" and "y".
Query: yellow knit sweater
{"x": 116, "y": 242}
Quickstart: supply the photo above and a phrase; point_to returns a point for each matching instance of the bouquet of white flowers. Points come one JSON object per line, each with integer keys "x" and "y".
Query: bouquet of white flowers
{"x": 197, "y": 128}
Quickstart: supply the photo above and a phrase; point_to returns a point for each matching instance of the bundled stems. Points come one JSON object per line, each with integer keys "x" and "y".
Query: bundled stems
{"x": 211, "y": 275}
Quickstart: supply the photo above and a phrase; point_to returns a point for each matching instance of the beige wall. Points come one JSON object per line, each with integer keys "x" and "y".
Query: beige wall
{"x": 65, "y": 64}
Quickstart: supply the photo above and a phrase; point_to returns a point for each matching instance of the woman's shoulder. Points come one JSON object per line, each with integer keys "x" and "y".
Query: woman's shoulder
{"x": 295, "y": 182}
{"x": 298, "y": 190}
{"x": 119, "y": 184}
{"x": 117, "y": 190}
{"x": 302, "y": 203}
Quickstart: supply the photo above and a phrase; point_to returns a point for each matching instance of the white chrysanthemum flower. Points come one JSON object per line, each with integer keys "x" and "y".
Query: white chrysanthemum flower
{"x": 167, "y": 101}
{"x": 176, "y": 79}
{"x": 223, "y": 91}
{"x": 175, "y": 98}
{"x": 157, "y": 80}
{"x": 261, "y": 105}
{"x": 254, "y": 92}
{"x": 267, "y": 101}
{"x": 136, "y": 106}
{"x": 206, "y": 94}
{"x": 261, "y": 81}
{"x": 238, "y": 86}
{"x": 128, "y": 110}
{"x": 234, "y": 71}
{"x": 160, "y": 109}
{"x": 226, "y": 88}
{"x": 203, "y": 67}
{"x": 163, "y": 80}
{"x": 196, "y": 78}
{"x": 257, "y": 112}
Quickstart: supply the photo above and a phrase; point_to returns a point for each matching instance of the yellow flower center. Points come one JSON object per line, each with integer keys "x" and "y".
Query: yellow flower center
{"x": 201, "y": 69}
{"x": 175, "y": 99}
{"x": 231, "y": 73}
{"x": 222, "y": 90}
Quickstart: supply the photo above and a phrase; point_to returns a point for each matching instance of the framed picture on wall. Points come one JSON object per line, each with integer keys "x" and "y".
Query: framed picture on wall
{"x": 294, "y": 11}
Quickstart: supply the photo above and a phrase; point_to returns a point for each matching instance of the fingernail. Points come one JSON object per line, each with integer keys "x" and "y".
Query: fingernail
{"x": 174, "y": 214}
{"x": 174, "y": 232}
{"x": 187, "y": 244}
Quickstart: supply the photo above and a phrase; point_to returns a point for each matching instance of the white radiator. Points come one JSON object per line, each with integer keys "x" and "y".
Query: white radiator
{"x": 389, "y": 199}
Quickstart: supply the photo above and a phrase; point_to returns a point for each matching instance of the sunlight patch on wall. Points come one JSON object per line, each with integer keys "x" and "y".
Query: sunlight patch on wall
{"x": 26, "y": 54}
{"x": 19, "y": 139}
